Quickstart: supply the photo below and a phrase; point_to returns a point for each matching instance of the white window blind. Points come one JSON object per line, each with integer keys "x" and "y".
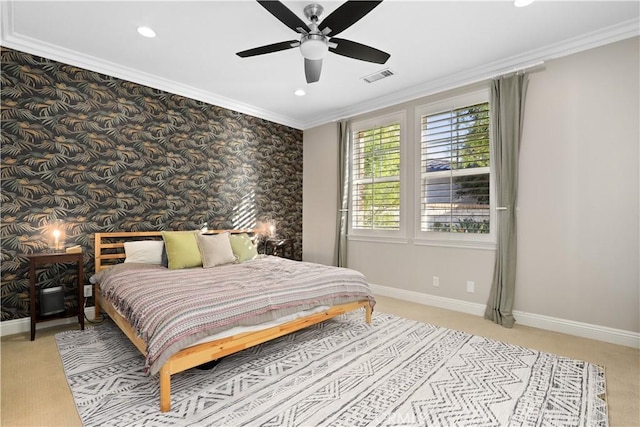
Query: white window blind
{"x": 375, "y": 196}
{"x": 455, "y": 171}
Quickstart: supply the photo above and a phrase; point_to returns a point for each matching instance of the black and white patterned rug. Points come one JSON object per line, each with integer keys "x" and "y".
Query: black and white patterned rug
{"x": 343, "y": 372}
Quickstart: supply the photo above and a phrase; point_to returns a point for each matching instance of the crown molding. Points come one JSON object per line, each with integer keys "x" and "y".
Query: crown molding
{"x": 10, "y": 39}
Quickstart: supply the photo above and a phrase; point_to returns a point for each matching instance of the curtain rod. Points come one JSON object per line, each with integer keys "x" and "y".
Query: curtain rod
{"x": 520, "y": 69}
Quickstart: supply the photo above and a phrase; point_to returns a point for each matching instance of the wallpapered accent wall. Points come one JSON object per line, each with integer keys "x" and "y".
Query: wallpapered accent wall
{"x": 104, "y": 154}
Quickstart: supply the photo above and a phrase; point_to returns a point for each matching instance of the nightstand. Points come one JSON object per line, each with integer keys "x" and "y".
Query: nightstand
{"x": 55, "y": 258}
{"x": 279, "y": 247}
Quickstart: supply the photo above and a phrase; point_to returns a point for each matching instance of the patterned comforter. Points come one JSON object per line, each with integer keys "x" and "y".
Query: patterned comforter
{"x": 172, "y": 309}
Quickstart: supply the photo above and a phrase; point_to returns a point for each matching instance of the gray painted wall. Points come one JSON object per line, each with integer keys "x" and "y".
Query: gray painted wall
{"x": 579, "y": 198}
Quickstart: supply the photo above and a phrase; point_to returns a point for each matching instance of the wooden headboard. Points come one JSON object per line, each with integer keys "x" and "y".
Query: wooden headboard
{"x": 109, "y": 247}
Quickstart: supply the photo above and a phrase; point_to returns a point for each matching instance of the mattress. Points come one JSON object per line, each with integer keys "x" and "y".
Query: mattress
{"x": 174, "y": 309}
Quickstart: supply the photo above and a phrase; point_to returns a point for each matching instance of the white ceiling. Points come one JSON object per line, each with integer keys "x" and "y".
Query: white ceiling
{"x": 434, "y": 45}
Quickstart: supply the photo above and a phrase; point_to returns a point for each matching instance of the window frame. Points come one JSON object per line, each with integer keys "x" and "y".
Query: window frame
{"x": 380, "y": 234}
{"x": 439, "y": 238}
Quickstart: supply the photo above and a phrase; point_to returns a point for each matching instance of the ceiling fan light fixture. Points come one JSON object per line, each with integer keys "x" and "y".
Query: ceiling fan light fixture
{"x": 318, "y": 38}
{"x": 314, "y": 46}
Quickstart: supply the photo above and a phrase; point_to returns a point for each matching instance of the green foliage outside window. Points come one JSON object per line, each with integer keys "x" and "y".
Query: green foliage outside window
{"x": 474, "y": 153}
{"x": 456, "y": 155}
{"x": 376, "y": 195}
{"x": 466, "y": 225}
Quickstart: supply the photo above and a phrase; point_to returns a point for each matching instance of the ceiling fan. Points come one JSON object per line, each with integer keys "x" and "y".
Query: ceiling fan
{"x": 318, "y": 37}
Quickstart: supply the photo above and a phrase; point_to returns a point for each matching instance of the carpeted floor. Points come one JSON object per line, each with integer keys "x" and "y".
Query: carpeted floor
{"x": 35, "y": 392}
{"x": 340, "y": 372}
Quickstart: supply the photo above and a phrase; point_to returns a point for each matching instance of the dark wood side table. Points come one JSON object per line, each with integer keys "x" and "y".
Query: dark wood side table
{"x": 55, "y": 258}
{"x": 279, "y": 247}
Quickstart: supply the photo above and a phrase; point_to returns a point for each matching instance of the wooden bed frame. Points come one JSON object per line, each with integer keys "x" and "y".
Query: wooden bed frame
{"x": 109, "y": 250}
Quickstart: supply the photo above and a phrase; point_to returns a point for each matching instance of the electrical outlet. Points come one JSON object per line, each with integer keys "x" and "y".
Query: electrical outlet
{"x": 436, "y": 281}
{"x": 88, "y": 291}
{"x": 471, "y": 286}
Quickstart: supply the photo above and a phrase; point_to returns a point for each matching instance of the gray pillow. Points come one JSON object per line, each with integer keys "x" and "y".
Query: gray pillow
{"x": 215, "y": 249}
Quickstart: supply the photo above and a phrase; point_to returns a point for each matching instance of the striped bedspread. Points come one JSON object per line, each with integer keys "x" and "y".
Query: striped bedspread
{"x": 172, "y": 309}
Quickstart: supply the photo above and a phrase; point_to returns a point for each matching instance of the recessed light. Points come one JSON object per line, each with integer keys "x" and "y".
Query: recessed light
{"x": 147, "y": 32}
{"x": 522, "y": 3}
{"x": 300, "y": 92}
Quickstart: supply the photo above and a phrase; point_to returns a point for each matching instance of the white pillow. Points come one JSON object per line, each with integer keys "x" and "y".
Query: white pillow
{"x": 215, "y": 249}
{"x": 144, "y": 251}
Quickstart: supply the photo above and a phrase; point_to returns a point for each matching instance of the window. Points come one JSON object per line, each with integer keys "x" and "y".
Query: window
{"x": 375, "y": 184}
{"x": 455, "y": 188}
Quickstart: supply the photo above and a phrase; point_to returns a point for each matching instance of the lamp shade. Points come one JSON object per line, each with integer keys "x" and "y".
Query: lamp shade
{"x": 56, "y": 235}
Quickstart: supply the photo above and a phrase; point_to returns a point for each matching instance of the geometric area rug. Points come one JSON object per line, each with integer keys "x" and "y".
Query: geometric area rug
{"x": 343, "y": 372}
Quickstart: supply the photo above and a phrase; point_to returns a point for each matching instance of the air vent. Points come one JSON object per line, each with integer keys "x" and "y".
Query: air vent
{"x": 378, "y": 76}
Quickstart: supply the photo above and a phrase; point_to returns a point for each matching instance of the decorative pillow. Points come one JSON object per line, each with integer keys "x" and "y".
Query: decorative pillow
{"x": 215, "y": 249}
{"x": 243, "y": 247}
{"x": 182, "y": 249}
{"x": 144, "y": 251}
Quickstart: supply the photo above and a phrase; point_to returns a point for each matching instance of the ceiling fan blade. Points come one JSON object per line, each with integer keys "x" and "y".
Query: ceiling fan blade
{"x": 346, "y": 15}
{"x": 312, "y": 69}
{"x": 284, "y": 15}
{"x": 275, "y": 47}
{"x": 358, "y": 51}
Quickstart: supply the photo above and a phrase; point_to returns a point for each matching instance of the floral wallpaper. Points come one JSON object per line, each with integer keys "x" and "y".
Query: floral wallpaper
{"x": 104, "y": 154}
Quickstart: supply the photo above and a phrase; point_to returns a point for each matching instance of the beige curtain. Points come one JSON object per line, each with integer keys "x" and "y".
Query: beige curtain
{"x": 507, "y": 115}
{"x": 344, "y": 138}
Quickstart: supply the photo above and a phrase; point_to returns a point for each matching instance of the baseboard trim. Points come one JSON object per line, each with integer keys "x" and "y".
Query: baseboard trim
{"x": 570, "y": 327}
{"x": 580, "y": 329}
{"x": 18, "y": 326}
{"x": 431, "y": 300}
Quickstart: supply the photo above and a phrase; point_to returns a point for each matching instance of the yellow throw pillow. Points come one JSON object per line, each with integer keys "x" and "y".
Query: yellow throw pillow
{"x": 243, "y": 247}
{"x": 182, "y": 249}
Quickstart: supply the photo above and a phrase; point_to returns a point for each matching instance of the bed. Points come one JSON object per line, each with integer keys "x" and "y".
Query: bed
{"x": 274, "y": 297}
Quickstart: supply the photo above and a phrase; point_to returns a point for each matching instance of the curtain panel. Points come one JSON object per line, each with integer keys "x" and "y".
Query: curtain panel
{"x": 507, "y": 115}
{"x": 344, "y": 157}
